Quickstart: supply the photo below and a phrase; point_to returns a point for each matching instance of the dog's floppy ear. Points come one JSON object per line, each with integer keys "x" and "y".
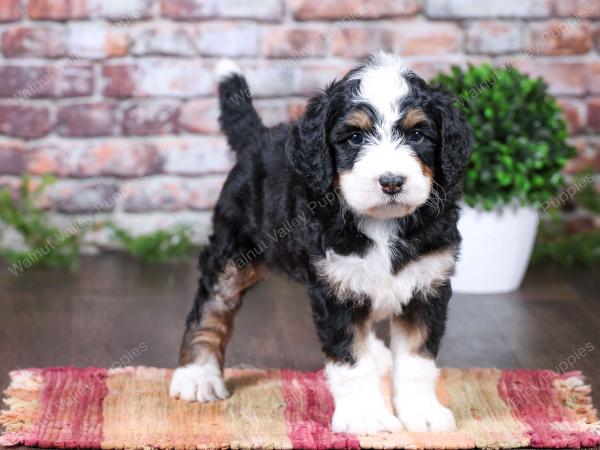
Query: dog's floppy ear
{"x": 308, "y": 148}
{"x": 456, "y": 139}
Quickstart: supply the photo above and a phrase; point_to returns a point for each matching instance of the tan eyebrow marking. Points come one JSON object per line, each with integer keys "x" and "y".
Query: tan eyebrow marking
{"x": 360, "y": 120}
{"x": 413, "y": 117}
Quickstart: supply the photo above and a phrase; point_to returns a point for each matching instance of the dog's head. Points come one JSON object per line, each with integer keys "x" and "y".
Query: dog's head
{"x": 384, "y": 137}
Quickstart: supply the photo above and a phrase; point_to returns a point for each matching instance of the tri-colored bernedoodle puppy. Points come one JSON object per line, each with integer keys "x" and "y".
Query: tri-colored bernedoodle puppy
{"x": 365, "y": 185}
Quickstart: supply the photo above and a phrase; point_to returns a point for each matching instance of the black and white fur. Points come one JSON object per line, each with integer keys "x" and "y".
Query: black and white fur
{"x": 369, "y": 178}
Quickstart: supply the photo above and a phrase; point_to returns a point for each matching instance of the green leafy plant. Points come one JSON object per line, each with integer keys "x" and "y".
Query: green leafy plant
{"x": 561, "y": 245}
{"x": 157, "y": 247}
{"x": 520, "y": 136}
{"x": 45, "y": 244}
{"x": 555, "y": 245}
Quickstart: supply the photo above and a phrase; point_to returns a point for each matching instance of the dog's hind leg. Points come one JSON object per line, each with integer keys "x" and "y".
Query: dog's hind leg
{"x": 199, "y": 375}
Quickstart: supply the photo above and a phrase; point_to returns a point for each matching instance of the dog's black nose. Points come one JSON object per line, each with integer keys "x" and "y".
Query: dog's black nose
{"x": 391, "y": 184}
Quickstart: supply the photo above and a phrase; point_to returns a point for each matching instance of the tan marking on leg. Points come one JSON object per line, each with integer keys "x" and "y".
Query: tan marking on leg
{"x": 415, "y": 333}
{"x": 209, "y": 337}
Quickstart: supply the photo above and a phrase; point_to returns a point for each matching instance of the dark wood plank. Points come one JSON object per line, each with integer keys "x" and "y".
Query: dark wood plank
{"x": 112, "y": 305}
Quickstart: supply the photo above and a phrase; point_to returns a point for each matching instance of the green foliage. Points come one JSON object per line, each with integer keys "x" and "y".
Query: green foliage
{"x": 588, "y": 198}
{"x": 46, "y": 244}
{"x": 159, "y": 246}
{"x": 555, "y": 245}
{"x": 520, "y": 136}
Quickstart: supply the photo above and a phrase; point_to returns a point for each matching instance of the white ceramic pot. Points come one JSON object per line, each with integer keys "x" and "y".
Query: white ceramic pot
{"x": 495, "y": 250}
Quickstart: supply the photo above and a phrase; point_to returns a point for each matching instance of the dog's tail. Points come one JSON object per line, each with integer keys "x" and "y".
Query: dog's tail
{"x": 239, "y": 120}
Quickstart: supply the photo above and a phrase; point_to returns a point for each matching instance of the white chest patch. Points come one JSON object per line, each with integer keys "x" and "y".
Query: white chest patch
{"x": 371, "y": 275}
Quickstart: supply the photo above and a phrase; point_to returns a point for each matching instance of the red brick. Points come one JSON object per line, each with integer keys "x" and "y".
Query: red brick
{"x": 271, "y": 10}
{"x": 12, "y": 160}
{"x": 560, "y": 38}
{"x": 81, "y": 158}
{"x": 195, "y": 156}
{"x": 120, "y": 80}
{"x": 577, "y": 8}
{"x": 580, "y": 161}
{"x": 163, "y": 39}
{"x": 427, "y": 68}
{"x": 29, "y": 122}
{"x": 159, "y": 77}
{"x": 86, "y": 120}
{"x": 150, "y": 118}
{"x": 272, "y": 111}
{"x": 227, "y": 39}
{"x": 592, "y": 76}
{"x": 593, "y": 112}
{"x": 494, "y": 37}
{"x": 38, "y": 41}
{"x": 90, "y": 40}
{"x": 354, "y": 9}
{"x": 200, "y": 116}
{"x": 203, "y": 193}
{"x": 423, "y": 38}
{"x": 295, "y": 108}
{"x": 293, "y": 42}
{"x": 156, "y": 194}
{"x": 573, "y": 113}
{"x": 587, "y": 158}
{"x": 58, "y": 80}
{"x": 563, "y": 78}
{"x": 494, "y": 9}
{"x": 315, "y": 76}
{"x": 10, "y": 10}
{"x": 122, "y": 11}
{"x": 73, "y": 197}
{"x": 58, "y": 9}
{"x": 358, "y": 42}
{"x": 596, "y": 36}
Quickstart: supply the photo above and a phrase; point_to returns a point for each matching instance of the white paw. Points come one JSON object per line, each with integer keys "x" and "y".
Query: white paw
{"x": 381, "y": 354}
{"x": 421, "y": 416}
{"x": 363, "y": 419}
{"x": 198, "y": 382}
{"x": 226, "y": 68}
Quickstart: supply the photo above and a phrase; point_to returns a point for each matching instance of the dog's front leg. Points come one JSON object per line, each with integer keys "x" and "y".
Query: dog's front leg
{"x": 415, "y": 340}
{"x": 352, "y": 372}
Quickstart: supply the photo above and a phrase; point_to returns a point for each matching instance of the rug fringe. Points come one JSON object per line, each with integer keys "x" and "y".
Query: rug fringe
{"x": 577, "y": 396}
{"x": 22, "y": 398}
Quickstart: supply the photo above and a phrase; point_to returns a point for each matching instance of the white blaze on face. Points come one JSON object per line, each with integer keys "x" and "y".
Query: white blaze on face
{"x": 382, "y": 86}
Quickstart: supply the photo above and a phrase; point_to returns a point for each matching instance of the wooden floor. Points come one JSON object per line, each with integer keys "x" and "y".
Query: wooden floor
{"x": 98, "y": 315}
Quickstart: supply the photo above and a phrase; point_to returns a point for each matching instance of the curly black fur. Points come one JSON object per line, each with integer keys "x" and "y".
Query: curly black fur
{"x": 280, "y": 207}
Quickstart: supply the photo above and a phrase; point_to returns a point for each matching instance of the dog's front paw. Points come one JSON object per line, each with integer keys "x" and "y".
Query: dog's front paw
{"x": 203, "y": 383}
{"x": 423, "y": 416}
{"x": 362, "y": 418}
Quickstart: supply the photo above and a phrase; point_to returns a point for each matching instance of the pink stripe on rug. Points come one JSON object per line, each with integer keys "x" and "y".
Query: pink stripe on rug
{"x": 70, "y": 409}
{"x": 534, "y": 400}
{"x": 308, "y": 412}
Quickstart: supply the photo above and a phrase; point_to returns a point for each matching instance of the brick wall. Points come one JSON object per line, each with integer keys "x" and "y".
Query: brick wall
{"x": 117, "y": 97}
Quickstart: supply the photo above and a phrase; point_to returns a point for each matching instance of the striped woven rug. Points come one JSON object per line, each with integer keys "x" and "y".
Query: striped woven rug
{"x": 130, "y": 408}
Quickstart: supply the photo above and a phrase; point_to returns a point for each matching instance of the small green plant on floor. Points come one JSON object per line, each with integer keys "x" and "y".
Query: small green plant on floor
{"x": 556, "y": 244}
{"x": 48, "y": 245}
{"x": 157, "y": 247}
{"x": 45, "y": 243}
{"x": 520, "y": 136}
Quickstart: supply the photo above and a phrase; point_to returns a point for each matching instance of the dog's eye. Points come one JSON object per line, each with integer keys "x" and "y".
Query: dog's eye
{"x": 415, "y": 136}
{"x": 356, "y": 139}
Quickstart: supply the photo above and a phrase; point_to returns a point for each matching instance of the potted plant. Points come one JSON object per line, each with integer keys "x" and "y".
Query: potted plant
{"x": 519, "y": 151}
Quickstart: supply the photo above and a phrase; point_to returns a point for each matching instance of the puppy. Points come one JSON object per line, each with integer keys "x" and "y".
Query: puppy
{"x": 358, "y": 199}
